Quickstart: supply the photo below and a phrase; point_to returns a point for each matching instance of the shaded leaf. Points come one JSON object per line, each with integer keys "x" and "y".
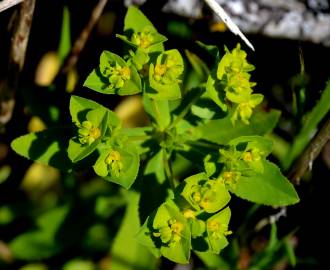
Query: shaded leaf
{"x": 222, "y": 130}
{"x": 309, "y": 128}
{"x": 47, "y": 147}
{"x": 127, "y": 253}
{"x": 40, "y": 243}
{"x": 65, "y": 40}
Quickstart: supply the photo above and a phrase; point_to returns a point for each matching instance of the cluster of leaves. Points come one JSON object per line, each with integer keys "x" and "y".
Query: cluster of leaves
{"x": 224, "y": 140}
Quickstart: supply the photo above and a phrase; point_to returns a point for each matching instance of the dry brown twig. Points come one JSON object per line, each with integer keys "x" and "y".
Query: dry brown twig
{"x": 79, "y": 44}
{"x": 310, "y": 153}
{"x": 16, "y": 60}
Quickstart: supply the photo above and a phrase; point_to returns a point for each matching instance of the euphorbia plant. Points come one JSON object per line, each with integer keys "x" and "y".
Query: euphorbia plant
{"x": 215, "y": 125}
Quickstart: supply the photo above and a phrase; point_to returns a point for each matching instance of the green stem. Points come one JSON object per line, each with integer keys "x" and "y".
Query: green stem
{"x": 140, "y": 138}
{"x": 209, "y": 145}
{"x": 168, "y": 170}
{"x": 158, "y": 115}
{"x": 186, "y": 109}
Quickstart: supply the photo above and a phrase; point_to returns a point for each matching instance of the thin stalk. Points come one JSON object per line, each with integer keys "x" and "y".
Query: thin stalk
{"x": 80, "y": 43}
{"x": 209, "y": 145}
{"x": 168, "y": 170}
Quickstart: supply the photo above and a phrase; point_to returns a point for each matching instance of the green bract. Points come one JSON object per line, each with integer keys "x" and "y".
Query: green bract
{"x": 204, "y": 194}
{"x": 147, "y": 40}
{"x": 174, "y": 233}
{"x": 245, "y": 105}
{"x": 91, "y": 121}
{"x": 139, "y": 59}
{"x": 168, "y": 232}
{"x": 118, "y": 165}
{"x": 217, "y": 230}
{"x": 114, "y": 76}
{"x": 164, "y": 76}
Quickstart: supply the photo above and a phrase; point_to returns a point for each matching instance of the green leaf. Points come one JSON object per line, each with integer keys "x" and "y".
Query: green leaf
{"x": 206, "y": 108}
{"x": 80, "y": 106}
{"x": 259, "y": 142}
{"x": 158, "y": 110}
{"x": 139, "y": 136}
{"x": 128, "y": 165}
{"x": 144, "y": 236}
{"x": 78, "y": 264}
{"x": 213, "y": 261}
{"x": 197, "y": 227}
{"x": 221, "y": 131}
{"x": 198, "y": 65}
{"x": 309, "y": 128}
{"x": 215, "y": 91}
{"x": 137, "y": 257}
{"x": 155, "y": 167}
{"x": 40, "y": 243}
{"x": 154, "y": 188}
{"x": 269, "y": 188}
{"x": 211, "y": 49}
{"x": 47, "y": 147}
{"x": 65, "y": 41}
{"x": 136, "y": 20}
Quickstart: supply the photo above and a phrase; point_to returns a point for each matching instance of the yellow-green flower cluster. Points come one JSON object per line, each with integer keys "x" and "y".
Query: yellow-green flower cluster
{"x": 114, "y": 162}
{"x": 233, "y": 73}
{"x": 88, "y": 133}
{"x": 143, "y": 39}
{"x": 117, "y": 74}
{"x": 237, "y": 162}
{"x": 168, "y": 68}
{"x": 170, "y": 234}
{"x": 205, "y": 194}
